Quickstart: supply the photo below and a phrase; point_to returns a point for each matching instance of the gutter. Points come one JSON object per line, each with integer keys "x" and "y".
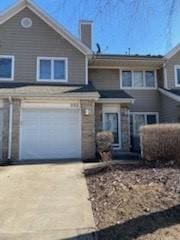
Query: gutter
{"x": 116, "y": 100}
{"x": 66, "y": 96}
{"x": 10, "y": 129}
{"x": 165, "y": 75}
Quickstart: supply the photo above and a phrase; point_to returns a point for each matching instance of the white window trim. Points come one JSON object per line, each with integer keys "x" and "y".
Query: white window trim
{"x": 12, "y": 67}
{"x": 52, "y": 59}
{"x": 145, "y": 114}
{"x": 176, "y": 67}
{"x": 144, "y": 79}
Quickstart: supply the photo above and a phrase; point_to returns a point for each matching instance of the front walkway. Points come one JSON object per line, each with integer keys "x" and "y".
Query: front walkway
{"x": 44, "y": 202}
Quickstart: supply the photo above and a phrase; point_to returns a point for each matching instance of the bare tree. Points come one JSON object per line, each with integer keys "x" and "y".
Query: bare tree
{"x": 104, "y": 10}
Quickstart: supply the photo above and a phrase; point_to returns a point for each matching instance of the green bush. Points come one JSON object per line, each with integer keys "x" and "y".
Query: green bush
{"x": 160, "y": 142}
{"x": 104, "y": 141}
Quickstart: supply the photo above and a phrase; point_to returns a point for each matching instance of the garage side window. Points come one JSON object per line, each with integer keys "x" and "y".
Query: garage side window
{"x": 52, "y": 69}
{"x": 6, "y": 67}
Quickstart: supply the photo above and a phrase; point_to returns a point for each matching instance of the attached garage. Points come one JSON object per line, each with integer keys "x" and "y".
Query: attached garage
{"x": 50, "y": 133}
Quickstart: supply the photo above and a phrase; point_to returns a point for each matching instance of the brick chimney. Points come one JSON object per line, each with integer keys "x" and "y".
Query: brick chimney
{"x": 86, "y": 33}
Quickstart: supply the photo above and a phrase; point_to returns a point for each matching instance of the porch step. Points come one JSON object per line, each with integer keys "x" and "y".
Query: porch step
{"x": 117, "y": 155}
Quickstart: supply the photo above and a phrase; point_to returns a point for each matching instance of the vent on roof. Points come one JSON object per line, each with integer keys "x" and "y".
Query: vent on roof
{"x": 26, "y": 22}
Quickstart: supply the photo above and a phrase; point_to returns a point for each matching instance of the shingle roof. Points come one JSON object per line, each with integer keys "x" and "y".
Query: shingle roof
{"x": 57, "y": 90}
{"x": 44, "y": 89}
{"x": 99, "y": 56}
{"x": 114, "y": 94}
{"x": 174, "y": 91}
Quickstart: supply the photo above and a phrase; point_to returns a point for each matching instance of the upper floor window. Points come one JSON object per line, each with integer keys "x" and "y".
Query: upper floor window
{"x": 138, "y": 79}
{"x": 177, "y": 75}
{"x": 6, "y": 67}
{"x": 52, "y": 69}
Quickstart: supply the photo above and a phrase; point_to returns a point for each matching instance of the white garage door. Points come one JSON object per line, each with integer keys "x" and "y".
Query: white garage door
{"x": 50, "y": 134}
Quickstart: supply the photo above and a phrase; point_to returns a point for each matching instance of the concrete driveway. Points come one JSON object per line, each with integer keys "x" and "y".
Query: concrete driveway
{"x": 44, "y": 202}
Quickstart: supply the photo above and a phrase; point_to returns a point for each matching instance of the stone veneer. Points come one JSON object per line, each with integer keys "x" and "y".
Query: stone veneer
{"x": 5, "y": 133}
{"x": 16, "y": 129}
{"x": 98, "y": 117}
{"x": 88, "y": 129}
{"x": 125, "y": 128}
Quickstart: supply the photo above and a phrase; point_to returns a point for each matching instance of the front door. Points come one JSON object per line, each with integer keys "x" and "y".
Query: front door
{"x": 111, "y": 123}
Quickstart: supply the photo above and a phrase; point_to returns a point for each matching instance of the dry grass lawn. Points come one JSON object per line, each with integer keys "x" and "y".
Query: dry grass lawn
{"x": 136, "y": 202}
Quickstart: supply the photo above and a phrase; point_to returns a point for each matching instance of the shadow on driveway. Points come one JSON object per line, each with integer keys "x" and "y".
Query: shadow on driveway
{"x": 39, "y": 162}
{"x": 134, "y": 228}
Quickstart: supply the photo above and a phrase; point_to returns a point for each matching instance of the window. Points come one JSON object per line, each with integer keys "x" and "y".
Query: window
{"x": 151, "y": 119}
{"x": 150, "y": 79}
{"x": 6, "y": 68}
{"x": 127, "y": 78}
{"x": 138, "y": 79}
{"x": 52, "y": 69}
{"x": 138, "y": 120}
{"x": 177, "y": 75}
{"x": 45, "y": 69}
{"x": 111, "y": 124}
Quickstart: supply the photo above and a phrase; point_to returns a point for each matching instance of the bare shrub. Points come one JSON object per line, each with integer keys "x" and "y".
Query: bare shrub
{"x": 160, "y": 142}
{"x": 104, "y": 141}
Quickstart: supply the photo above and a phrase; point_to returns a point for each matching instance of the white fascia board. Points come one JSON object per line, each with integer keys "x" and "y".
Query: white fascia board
{"x": 11, "y": 11}
{"x": 116, "y": 100}
{"x": 171, "y": 53}
{"x": 81, "y": 96}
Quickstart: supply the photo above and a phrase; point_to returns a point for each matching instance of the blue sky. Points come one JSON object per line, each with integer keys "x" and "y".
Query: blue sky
{"x": 145, "y": 28}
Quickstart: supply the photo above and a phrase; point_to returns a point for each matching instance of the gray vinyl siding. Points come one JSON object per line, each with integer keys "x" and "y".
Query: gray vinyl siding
{"x": 39, "y": 40}
{"x": 108, "y": 79}
{"x": 175, "y": 60}
{"x": 169, "y": 111}
{"x": 160, "y": 77}
{"x": 104, "y": 79}
{"x": 145, "y": 100}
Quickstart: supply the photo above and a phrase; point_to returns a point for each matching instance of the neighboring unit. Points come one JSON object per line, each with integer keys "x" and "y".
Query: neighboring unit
{"x": 56, "y": 94}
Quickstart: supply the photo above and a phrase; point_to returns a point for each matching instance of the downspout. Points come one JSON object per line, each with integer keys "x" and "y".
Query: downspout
{"x": 10, "y": 129}
{"x": 165, "y": 76}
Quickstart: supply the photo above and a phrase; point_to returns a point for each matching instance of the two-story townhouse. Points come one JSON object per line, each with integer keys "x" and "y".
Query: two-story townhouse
{"x": 55, "y": 93}
{"x": 152, "y": 82}
{"x": 135, "y": 76}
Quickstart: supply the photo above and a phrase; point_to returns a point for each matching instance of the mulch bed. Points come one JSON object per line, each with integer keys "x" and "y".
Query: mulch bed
{"x": 135, "y": 202}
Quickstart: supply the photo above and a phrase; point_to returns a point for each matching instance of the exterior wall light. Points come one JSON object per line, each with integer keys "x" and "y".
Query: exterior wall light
{"x": 87, "y": 112}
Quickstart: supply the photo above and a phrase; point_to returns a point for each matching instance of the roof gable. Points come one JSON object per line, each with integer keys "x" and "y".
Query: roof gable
{"x": 171, "y": 53}
{"x": 12, "y": 11}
